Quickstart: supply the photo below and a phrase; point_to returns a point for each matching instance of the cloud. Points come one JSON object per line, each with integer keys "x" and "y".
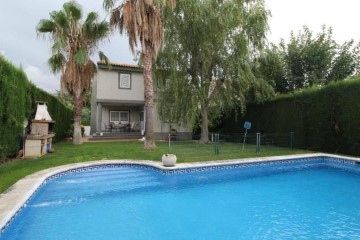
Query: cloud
{"x": 2, "y": 52}
{"x": 47, "y": 81}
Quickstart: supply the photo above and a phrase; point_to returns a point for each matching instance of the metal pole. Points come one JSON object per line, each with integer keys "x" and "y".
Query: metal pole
{"x": 216, "y": 143}
{"x": 169, "y": 136}
{"x": 214, "y": 146}
{"x": 244, "y": 141}
{"x": 258, "y": 140}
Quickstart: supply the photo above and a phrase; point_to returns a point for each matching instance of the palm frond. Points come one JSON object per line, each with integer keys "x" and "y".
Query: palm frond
{"x": 104, "y": 59}
{"x": 57, "y": 62}
{"x": 81, "y": 57}
{"x": 109, "y": 4}
{"x": 116, "y": 19}
{"x": 73, "y": 9}
{"x": 96, "y": 31}
{"x": 91, "y": 17}
{"x": 59, "y": 18}
{"x": 58, "y": 45}
{"x": 73, "y": 41}
{"x": 45, "y": 26}
{"x": 141, "y": 20}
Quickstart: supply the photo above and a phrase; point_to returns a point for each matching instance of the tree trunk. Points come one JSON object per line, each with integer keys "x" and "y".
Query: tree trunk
{"x": 78, "y": 104}
{"x": 204, "y": 124}
{"x": 149, "y": 143}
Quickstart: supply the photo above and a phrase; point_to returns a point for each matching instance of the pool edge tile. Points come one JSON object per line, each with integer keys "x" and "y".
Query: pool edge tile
{"x": 17, "y": 196}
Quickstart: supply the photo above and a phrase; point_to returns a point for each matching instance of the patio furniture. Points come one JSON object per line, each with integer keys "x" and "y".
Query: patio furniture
{"x": 107, "y": 127}
{"x": 122, "y": 127}
{"x": 113, "y": 126}
{"x": 118, "y": 127}
{"x": 134, "y": 126}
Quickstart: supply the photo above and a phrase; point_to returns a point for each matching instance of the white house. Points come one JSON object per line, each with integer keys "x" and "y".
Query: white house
{"x": 117, "y": 105}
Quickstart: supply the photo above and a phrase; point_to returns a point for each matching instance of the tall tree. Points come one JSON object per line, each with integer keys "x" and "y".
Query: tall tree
{"x": 308, "y": 60}
{"x": 205, "y": 66}
{"x": 73, "y": 42}
{"x": 141, "y": 19}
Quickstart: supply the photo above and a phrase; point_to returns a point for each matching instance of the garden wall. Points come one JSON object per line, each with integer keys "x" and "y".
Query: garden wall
{"x": 18, "y": 98}
{"x": 323, "y": 119}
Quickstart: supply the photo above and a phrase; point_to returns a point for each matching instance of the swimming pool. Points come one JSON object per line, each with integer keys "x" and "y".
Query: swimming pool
{"x": 314, "y": 198}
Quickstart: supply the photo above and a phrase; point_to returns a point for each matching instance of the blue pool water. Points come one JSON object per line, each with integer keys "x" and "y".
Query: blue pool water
{"x": 281, "y": 201}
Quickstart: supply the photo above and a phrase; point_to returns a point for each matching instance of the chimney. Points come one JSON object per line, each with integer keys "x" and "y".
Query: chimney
{"x": 42, "y": 113}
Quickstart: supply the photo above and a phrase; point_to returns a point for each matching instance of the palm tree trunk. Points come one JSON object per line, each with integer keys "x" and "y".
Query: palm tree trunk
{"x": 149, "y": 143}
{"x": 204, "y": 124}
{"x": 78, "y": 104}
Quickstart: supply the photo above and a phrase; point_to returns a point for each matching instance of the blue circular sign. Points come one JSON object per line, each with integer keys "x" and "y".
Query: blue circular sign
{"x": 247, "y": 125}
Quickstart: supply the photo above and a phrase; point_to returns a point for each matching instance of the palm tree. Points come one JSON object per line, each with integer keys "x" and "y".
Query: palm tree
{"x": 73, "y": 42}
{"x": 142, "y": 22}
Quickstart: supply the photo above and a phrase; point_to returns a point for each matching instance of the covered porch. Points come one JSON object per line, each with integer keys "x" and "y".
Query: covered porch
{"x": 118, "y": 118}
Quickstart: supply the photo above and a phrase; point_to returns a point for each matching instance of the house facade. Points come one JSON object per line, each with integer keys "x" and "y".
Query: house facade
{"x": 117, "y": 105}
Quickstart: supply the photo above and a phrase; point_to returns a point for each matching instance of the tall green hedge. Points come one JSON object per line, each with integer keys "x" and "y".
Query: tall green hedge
{"x": 323, "y": 119}
{"x": 18, "y": 98}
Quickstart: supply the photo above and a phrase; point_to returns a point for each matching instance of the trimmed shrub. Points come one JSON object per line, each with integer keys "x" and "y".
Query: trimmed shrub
{"x": 323, "y": 119}
{"x": 18, "y": 98}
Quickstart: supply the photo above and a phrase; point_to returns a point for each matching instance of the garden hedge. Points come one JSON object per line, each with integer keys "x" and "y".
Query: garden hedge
{"x": 18, "y": 98}
{"x": 322, "y": 119}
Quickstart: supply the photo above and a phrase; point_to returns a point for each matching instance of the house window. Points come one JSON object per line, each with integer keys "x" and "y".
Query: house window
{"x": 125, "y": 80}
{"x": 119, "y": 116}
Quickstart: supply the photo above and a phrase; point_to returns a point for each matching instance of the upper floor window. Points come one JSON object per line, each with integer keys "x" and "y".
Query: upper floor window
{"x": 124, "y": 80}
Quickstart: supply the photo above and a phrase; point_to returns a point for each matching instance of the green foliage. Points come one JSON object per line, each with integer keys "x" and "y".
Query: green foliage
{"x": 73, "y": 43}
{"x": 67, "y": 101}
{"x": 322, "y": 118}
{"x": 308, "y": 60}
{"x": 205, "y": 66}
{"x": 18, "y": 103}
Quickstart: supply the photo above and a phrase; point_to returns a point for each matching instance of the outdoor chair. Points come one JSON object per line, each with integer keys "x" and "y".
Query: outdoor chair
{"x": 134, "y": 127}
{"x": 107, "y": 127}
{"x": 115, "y": 126}
{"x": 122, "y": 127}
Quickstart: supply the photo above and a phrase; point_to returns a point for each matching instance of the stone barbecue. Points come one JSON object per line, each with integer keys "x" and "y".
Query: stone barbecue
{"x": 39, "y": 141}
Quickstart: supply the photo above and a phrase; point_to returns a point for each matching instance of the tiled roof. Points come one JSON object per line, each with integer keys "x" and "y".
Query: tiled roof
{"x": 121, "y": 65}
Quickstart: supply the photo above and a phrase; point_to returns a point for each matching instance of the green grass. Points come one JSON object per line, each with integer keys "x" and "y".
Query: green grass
{"x": 66, "y": 153}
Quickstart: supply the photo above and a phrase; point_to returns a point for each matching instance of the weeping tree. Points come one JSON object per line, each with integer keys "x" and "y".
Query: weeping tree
{"x": 205, "y": 67}
{"x": 73, "y": 42}
{"x": 141, "y": 20}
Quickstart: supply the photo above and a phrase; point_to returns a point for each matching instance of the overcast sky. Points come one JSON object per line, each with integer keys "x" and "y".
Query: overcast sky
{"x": 19, "y": 42}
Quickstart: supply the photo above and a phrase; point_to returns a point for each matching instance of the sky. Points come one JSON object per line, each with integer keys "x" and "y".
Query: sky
{"x": 20, "y": 44}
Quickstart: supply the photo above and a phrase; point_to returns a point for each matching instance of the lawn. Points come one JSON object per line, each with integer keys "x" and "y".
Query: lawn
{"x": 66, "y": 153}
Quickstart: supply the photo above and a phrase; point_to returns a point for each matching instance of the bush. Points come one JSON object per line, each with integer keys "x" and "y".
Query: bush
{"x": 323, "y": 119}
{"x": 18, "y": 103}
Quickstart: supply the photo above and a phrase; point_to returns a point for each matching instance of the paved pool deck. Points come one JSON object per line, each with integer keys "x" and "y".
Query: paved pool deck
{"x": 14, "y": 198}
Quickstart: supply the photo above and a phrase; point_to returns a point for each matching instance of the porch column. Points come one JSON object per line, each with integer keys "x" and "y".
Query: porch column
{"x": 99, "y": 117}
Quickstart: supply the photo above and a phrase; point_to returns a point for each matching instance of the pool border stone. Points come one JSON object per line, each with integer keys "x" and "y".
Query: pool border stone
{"x": 16, "y": 197}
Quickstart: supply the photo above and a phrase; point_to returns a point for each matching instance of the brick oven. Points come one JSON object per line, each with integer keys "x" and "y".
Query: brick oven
{"x": 39, "y": 141}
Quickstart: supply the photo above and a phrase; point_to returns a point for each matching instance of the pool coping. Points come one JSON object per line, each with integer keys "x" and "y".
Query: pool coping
{"x": 16, "y": 197}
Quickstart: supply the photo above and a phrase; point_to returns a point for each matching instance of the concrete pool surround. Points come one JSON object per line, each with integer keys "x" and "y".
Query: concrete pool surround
{"x": 17, "y": 196}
